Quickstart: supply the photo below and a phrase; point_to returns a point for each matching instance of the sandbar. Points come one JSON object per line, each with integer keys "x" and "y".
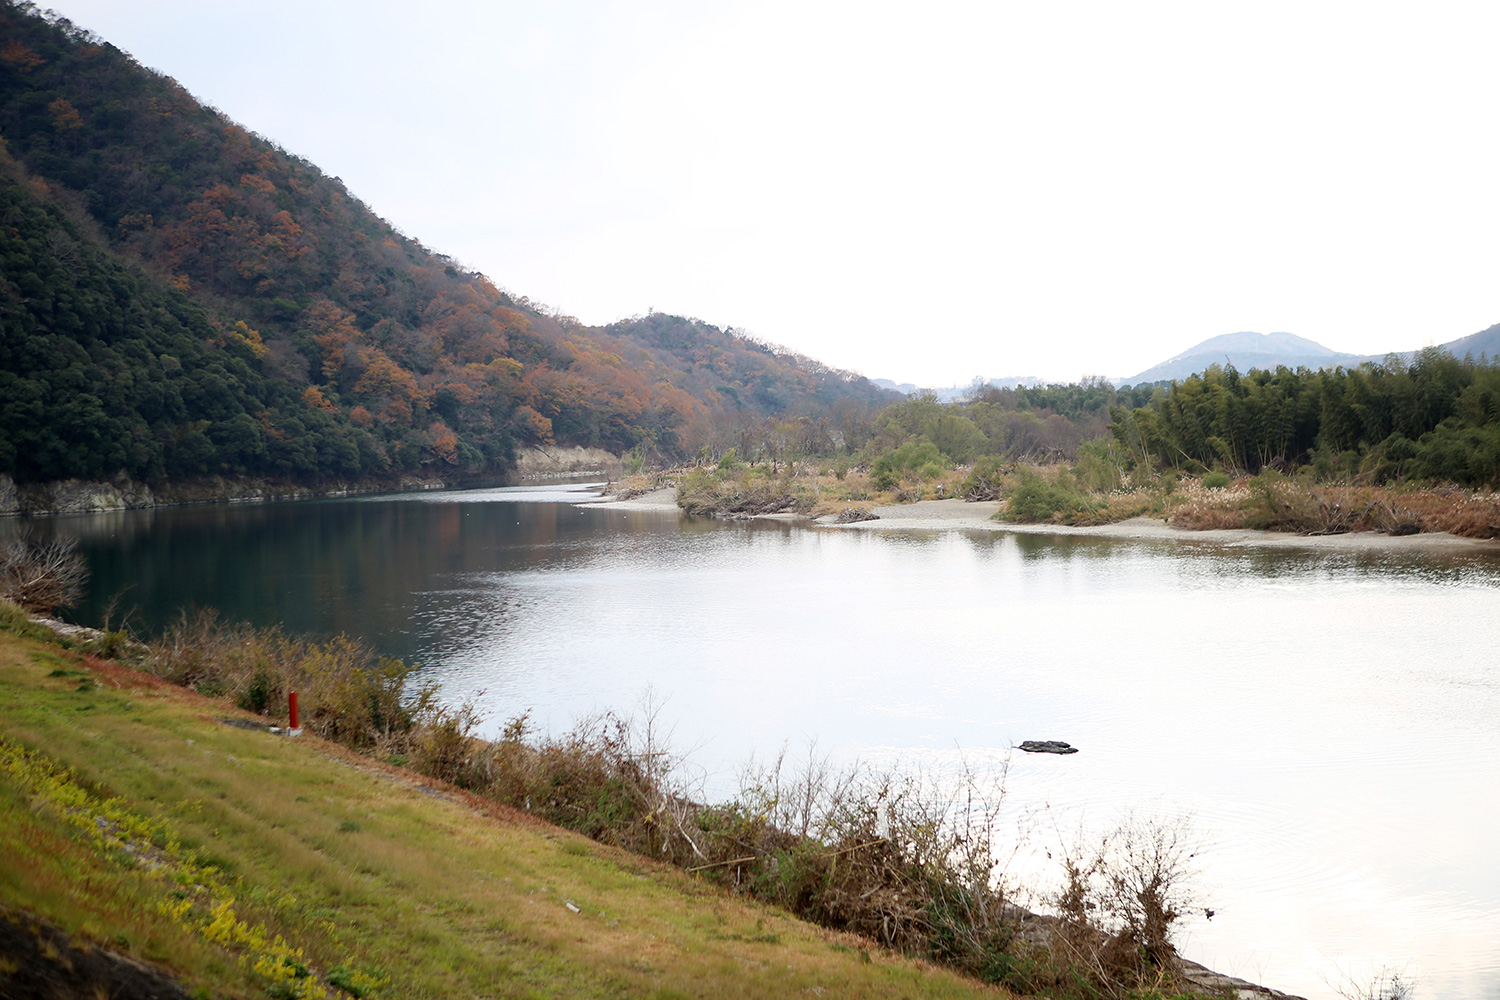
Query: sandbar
{"x": 963, "y": 515}
{"x": 657, "y": 500}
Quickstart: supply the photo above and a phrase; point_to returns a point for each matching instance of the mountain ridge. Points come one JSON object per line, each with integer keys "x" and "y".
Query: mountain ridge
{"x": 1246, "y": 350}
{"x": 311, "y": 339}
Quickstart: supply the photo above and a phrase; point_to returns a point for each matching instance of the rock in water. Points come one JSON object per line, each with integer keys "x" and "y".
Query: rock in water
{"x": 1046, "y": 746}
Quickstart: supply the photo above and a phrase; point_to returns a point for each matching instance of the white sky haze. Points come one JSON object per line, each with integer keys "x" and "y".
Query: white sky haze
{"x": 923, "y": 192}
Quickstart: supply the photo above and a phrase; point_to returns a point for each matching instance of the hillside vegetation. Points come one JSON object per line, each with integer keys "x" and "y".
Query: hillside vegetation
{"x": 182, "y": 297}
{"x": 1394, "y": 447}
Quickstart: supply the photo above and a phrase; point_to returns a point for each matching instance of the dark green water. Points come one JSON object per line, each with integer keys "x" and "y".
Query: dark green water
{"x": 364, "y": 566}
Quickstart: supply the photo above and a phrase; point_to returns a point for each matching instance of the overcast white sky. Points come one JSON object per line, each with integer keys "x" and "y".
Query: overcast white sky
{"x": 924, "y": 192}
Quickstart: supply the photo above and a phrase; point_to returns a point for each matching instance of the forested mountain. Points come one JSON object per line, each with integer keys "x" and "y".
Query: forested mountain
{"x": 182, "y": 297}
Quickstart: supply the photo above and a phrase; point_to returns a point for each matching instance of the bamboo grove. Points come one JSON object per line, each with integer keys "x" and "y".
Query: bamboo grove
{"x": 1435, "y": 417}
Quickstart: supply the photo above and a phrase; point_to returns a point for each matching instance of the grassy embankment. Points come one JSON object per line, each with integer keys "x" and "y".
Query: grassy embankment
{"x": 132, "y": 817}
{"x": 1076, "y": 495}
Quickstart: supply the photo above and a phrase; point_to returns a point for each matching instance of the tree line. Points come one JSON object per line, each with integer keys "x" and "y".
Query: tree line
{"x": 1435, "y": 417}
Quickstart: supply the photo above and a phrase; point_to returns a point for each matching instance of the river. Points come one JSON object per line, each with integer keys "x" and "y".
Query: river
{"x": 1328, "y": 721}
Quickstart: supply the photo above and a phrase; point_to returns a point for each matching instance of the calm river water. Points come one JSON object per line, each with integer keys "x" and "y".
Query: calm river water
{"x": 1329, "y": 722}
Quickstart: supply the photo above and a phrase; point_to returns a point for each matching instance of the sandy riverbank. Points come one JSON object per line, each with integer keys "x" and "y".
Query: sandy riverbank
{"x": 961, "y": 515}
{"x": 658, "y": 500}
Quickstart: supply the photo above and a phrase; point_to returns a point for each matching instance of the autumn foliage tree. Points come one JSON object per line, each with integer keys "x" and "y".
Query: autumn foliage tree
{"x": 347, "y": 347}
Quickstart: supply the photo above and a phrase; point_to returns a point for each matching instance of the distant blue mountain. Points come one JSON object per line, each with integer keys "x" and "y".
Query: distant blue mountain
{"x": 949, "y": 393}
{"x": 1245, "y": 351}
{"x": 1485, "y": 343}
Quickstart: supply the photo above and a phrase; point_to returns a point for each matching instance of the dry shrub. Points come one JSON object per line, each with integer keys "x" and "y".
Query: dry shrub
{"x": 746, "y": 492}
{"x": 443, "y": 747}
{"x": 610, "y": 778}
{"x": 903, "y": 859}
{"x": 41, "y": 576}
{"x": 1120, "y": 505}
{"x": 1120, "y": 897}
{"x": 899, "y": 858}
{"x": 631, "y": 487}
{"x": 346, "y": 691}
{"x": 641, "y": 483}
{"x": 1328, "y": 510}
{"x": 912, "y": 864}
{"x": 986, "y": 479}
{"x": 1384, "y": 984}
{"x": 1272, "y": 502}
{"x": 1459, "y": 512}
{"x": 1287, "y": 506}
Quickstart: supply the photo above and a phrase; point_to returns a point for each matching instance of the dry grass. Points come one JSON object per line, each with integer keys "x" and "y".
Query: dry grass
{"x": 1466, "y": 513}
{"x": 346, "y": 691}
{"x": 640, "y": 483}
{"x": 1201, "y": 509}
{"x": 1274, "y": 503}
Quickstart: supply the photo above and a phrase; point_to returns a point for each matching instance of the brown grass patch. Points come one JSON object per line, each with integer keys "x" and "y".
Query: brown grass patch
{"x": 1273, "y": 503}
{"x": 1468, "y": 514}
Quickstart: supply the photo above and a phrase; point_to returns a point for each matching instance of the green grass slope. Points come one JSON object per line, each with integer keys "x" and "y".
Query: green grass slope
{"x": 133, "y": 818}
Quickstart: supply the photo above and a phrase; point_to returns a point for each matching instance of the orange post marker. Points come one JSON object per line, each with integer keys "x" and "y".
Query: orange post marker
{"x": 292, "y": 704}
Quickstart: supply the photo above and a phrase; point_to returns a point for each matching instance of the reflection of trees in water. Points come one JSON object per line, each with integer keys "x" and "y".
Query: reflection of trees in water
{"x": 389, "y": 568}
{"x": 321, "y": 567}
{"x": 115, "y": 524}
{"x": 1207, "y": 559}
{"x": 1039, "y": 546}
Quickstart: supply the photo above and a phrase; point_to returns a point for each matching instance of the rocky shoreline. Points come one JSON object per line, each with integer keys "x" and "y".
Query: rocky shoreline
{"x": 86, "y": 496}
{"x": 81, "y": 496}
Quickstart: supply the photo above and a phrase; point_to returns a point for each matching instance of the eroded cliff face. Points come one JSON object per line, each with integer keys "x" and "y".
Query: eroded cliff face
{"x": 540, "y": 463}
{"x": 72, "y": 496}
{"x": 78, "y": 496}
